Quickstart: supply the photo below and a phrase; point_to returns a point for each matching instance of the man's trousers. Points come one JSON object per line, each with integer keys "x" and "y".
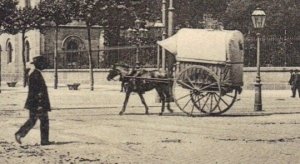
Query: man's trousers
{"x": 29, "y": 124}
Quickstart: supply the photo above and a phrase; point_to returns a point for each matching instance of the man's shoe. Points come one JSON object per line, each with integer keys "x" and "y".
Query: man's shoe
{"x": 46, "y": 143}
{"x": 18, "y": 138}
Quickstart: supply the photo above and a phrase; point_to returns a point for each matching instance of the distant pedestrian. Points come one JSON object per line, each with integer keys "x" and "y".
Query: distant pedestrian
{"x": 37, "y": 102}
{"x": 291, "y": 82}
{"x": 295, "y": 83}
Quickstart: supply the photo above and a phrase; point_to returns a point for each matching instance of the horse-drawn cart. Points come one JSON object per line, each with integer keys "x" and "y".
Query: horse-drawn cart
{"x": 208, "y": 73}
{"x": 209, "y": 69}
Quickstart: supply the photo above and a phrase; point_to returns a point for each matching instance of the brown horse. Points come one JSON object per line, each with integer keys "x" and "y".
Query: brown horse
{"x": 141, "y": 81}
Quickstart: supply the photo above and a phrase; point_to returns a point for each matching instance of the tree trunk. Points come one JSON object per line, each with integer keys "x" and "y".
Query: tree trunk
{"x": 90, "y": 58}
{"x": 55, "y": 59}
{"x": 23, "y": 59}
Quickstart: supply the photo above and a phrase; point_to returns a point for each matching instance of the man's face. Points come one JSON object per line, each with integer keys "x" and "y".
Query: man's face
{"x": 40, "y": 65}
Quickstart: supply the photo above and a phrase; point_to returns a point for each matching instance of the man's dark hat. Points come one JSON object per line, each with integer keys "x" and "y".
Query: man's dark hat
{"x": 38, "y": 59}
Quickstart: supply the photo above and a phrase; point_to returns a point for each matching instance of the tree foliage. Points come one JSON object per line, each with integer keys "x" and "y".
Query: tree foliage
{"x": 281, "y": 15}
{"x": 190, "y": 12}
{"x": 54, "y": 12}
{"x": 7, "y": 9}
{"x": 22, "y": 20}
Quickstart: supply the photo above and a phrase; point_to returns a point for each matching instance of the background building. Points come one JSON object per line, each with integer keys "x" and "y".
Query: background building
{"x": 71, "y": 37}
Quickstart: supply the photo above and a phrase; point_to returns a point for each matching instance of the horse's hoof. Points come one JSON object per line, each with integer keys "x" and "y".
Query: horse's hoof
{"x": 147, "y": 113}
{"x": 171, "y": 110}
{"x": 121, "y": 113}
{"x": 160, "y": 114}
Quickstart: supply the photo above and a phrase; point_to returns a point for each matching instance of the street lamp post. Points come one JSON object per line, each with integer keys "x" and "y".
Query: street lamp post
{"x": 136, "y": 36}
{"x": 159, "y": 30}
{"x": 170, "y": 19}
{"x": 164, "y": 34}
{"x": 258, "y": 18}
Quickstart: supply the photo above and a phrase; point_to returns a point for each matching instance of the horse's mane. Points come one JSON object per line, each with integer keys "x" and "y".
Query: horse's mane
{"x": 126, "y": 67}
{"x": 121, "y": 65}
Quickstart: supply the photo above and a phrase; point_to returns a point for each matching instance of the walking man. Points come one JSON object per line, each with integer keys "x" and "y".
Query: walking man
{"x": 296, "y": 84}
{"x": 291, "y": 82}
{"x": 37, "y": 102}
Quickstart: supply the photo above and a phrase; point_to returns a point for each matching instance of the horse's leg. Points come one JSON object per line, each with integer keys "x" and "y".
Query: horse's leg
{"x": 162, "y": 99}
{"x": 168, "y": 97}
{"x": 122, "y": 86}
{"x": 144, "y": 102}
{"x": 125, "y": 102}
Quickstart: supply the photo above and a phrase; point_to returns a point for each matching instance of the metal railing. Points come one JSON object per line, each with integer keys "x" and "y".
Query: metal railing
{"x": 104, "y": 58}
{"x": 275, "y": 52}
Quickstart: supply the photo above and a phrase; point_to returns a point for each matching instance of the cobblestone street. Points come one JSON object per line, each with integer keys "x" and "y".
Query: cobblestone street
{"x": 86, "y": 128}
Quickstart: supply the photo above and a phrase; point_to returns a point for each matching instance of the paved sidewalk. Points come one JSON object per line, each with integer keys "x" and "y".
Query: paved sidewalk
{"x": 86, "y": 128}
{"x": 109, "y": 96}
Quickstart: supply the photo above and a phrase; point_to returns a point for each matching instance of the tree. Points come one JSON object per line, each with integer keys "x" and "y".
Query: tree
{"x": 55, "y": 13}
{"x": 21, "y": 21}
{"x": 92, "y": 13}
{"x": 117, "y": 17}
{"x": 122, "y": 15}
{"x": 7, "y": 8}
{"x": 285, "y": 17}
{"x": 190, "y": 12}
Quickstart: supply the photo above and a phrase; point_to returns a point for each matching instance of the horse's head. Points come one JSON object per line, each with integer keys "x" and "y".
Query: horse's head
{"x": 117, "y": 70}
{"x": 112, "y": 73}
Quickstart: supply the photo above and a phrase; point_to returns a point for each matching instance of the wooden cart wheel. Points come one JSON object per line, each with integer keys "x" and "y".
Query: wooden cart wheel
{"x": 195, "y": 90}
{"x": 226, "y": 100}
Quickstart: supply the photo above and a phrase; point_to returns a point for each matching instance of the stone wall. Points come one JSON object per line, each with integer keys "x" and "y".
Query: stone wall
{"x": 272, "y": 78}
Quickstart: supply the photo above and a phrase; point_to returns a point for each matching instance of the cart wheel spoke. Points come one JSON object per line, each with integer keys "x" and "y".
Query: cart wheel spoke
{"x": 183, "y": 97}
{"x": 223, "y": 100}
{"x": 205, "y": 102}
{"x": 216, "y": 83}
{"x": 185, "y": 84}
{"x": 191, "y": 113}
{"x": 186, "y": 104}
{"x": 218, "y": 106}
{"x": 226, "y": 101}
{"x": 190, "y": 81}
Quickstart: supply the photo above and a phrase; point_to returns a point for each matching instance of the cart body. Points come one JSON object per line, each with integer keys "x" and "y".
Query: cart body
{"x": 212, "y": 48}
{"x": 209, "y": 67}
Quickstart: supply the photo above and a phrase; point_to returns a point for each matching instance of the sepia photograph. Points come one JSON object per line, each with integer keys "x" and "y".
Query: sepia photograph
{"x": 149, "y": 81}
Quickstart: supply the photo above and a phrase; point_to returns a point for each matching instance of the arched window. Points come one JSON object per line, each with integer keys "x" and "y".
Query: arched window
{"x": 27, "y": 3}
{"x": 73, "y": 57}
{"x": 9, "y": 53}
{"x": 27, "y": 51}
{"x": 72, "y": 53}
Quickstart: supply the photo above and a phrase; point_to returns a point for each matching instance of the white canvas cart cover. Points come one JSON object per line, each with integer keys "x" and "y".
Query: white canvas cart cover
{"x": 204, "y": 45}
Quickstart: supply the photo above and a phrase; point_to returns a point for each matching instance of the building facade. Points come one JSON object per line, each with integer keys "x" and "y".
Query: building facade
{"x": 71, "y": 37}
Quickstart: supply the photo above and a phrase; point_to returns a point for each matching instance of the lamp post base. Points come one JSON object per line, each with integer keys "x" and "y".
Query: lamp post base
{"x": 258, "y": 99}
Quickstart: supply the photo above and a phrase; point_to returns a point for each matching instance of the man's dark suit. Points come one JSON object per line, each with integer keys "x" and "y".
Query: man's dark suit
{"x": 295, "y": 83}
{"x": 38, "y": 105}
